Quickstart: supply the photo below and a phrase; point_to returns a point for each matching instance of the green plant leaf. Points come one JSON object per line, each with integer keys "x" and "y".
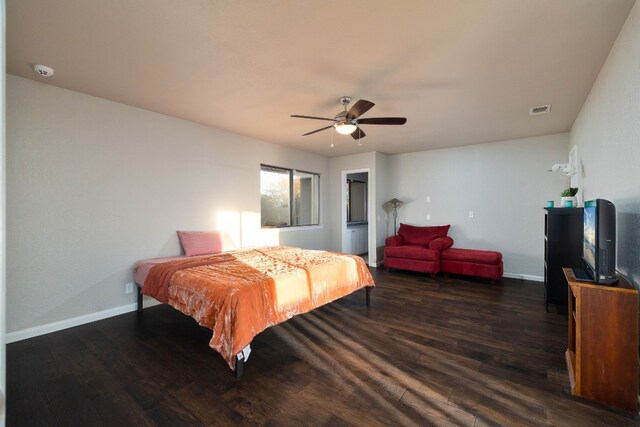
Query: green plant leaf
{"x": 569, "y": 192}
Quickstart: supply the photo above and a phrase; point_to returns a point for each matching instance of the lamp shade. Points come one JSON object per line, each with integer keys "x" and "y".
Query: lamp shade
{"x": 345, "y": 128}
{"x": 394, "y": 202}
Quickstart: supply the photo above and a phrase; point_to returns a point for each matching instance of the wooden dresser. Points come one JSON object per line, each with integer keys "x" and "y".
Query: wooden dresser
{"x": 602, "y": 357}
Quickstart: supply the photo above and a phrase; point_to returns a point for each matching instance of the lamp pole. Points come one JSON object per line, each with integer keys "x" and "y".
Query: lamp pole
{"x": 395, "y": 218}
{"x": 395, "y": 203}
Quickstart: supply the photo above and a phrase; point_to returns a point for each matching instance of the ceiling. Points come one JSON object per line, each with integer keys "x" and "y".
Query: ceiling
{"x": 462, "y": 72}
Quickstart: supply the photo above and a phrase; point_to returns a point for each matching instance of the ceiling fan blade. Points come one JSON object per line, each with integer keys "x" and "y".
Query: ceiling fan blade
{"x": 359, "y": 108}
{"x": 318, "y": 130}
{"x": 383, "y": 121}
{"x": 358, "y": 133}
{"x": 297, "y": 116}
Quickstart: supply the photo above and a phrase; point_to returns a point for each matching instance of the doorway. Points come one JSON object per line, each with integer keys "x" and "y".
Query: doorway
{"x": 356, "y": 213}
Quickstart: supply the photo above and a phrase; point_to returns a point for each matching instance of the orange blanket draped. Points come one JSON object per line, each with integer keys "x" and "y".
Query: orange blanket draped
{"x": 241, "y": 293}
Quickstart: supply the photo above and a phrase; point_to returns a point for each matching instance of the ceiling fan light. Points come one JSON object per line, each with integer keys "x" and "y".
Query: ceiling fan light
{"x": 345, "y": 128}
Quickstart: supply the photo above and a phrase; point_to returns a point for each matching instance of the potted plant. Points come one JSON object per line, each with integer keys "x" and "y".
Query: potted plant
{"x": 569, "y": 195}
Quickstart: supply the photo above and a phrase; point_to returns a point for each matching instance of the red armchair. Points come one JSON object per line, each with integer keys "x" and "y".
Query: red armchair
{"x": 417, "y": 248}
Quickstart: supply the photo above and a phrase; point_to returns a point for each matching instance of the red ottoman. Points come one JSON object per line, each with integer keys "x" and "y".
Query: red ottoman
{"x": 472, "y": 262}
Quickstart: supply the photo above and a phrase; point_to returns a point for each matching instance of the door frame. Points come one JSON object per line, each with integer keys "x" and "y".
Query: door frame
{"x": 343, "y": 212}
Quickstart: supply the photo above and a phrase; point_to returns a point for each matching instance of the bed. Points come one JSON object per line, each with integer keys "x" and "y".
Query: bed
{"x": 240, "y": 293}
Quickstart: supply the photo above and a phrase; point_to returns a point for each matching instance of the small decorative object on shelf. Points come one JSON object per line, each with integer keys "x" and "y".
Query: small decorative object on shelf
{"x": 569, "y": 199}
{"x": 550, "y": 204}
{"x": 566, "y": 169}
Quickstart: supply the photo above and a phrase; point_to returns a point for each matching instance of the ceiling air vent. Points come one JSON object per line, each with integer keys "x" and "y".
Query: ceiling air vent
{"x": 543, "y": 109}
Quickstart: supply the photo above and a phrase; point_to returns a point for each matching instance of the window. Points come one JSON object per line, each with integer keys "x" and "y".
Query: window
{"x": 288, "y": 197}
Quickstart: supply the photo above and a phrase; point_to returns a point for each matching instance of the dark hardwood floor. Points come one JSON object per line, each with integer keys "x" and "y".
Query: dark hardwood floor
{"x": 428, "y": 352}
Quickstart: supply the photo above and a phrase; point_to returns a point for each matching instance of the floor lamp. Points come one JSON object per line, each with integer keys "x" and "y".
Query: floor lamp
{"x": 395, "y": 203}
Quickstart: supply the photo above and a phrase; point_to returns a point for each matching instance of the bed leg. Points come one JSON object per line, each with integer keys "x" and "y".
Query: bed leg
{"x": 139, "y": 299}
{"x": 239, "y": 367}
{"x": 368, "y": 289}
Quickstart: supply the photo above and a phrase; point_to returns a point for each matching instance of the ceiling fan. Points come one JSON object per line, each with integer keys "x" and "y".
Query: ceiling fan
{"x": 348, "y": 122}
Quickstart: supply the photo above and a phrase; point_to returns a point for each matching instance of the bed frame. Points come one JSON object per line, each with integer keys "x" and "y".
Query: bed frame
{"x": 244, "y": 354}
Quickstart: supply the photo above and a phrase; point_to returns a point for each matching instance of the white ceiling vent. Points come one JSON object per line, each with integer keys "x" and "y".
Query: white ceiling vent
{"x": 43, "y": 70}
{"x": 543, "y": 109}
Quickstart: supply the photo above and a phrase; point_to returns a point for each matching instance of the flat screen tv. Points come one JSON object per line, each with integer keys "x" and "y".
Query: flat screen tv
{"x": 599, "y": 241}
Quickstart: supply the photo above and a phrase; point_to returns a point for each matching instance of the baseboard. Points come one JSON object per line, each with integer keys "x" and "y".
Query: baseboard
{"x": 523, "y": 276}
{"x": 74, "y": 321}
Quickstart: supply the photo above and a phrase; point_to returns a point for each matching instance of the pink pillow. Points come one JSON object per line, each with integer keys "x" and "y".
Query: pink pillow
{"x": 200, "y": 242}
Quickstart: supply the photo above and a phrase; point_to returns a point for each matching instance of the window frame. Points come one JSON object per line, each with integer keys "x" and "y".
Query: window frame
{"x": 291, "y": 173}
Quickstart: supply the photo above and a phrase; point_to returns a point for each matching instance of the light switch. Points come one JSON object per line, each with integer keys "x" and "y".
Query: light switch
{"x": 428, "y": 217}
{"x": 428, "y": 199}
{"x": 378, "y": 217}
{"x": 470, "y": 214}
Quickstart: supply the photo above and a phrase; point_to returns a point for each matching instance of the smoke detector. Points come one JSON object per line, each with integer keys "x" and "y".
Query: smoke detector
{"x": 543, "y": 109}
{"x": 43, "y": 70}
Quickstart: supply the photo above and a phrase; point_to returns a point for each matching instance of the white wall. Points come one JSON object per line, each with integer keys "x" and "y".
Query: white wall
{"x": 607, "y": 133}
{"x": 93, "y": 186}
{"x": 382, "y": 196}
{"x": 505, "y": 184}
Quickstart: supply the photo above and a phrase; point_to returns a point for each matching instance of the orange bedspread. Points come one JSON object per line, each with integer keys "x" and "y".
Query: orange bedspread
{"x": 241, "y": 293}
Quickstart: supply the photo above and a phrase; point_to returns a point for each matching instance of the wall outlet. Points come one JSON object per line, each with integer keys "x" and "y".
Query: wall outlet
{"x": 428, "y": 217}
{"x": 128, "y": 288}
{"x": 428, "y": 199}
{"x": 470, "y": 214}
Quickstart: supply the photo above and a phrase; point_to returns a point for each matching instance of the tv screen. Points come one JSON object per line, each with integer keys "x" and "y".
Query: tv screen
{"x": 589, "y": 239}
